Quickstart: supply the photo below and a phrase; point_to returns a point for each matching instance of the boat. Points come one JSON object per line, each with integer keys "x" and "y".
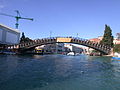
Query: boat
{"x": 116, "y": 57}
{"x": 9, "y": 53}
{"x": 115, "y": 61}
{"x": 1, "y": 52}
{"x": 71, "y": 54}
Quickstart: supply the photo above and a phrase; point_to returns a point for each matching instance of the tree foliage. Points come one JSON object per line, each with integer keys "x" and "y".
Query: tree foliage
{"x": 24, "y": 39}
{"x": 116, "y": 48}
{"x": 107, "y": 37}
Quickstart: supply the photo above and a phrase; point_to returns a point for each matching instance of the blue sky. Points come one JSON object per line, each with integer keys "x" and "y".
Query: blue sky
{"x": 63, "y": 17}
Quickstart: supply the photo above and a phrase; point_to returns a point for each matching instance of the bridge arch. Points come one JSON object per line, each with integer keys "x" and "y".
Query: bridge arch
{"x": 100, "y": 47}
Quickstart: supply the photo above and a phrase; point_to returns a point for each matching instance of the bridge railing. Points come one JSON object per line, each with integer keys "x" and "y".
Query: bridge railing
{"x": 92, "y": 44}
{"x": 76, "y": 40}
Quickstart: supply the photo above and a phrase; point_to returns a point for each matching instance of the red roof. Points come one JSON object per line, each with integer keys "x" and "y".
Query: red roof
{"x": 95, "y": 39}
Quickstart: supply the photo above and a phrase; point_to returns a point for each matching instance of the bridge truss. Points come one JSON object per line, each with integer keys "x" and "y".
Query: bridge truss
{"x": 97, "y": 46}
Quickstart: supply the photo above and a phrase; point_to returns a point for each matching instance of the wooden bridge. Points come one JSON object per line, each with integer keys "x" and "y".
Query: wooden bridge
{"x": 26, "y": 46}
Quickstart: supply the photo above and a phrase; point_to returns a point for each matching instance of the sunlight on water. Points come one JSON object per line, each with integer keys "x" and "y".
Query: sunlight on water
{"x": 58, "y": 72}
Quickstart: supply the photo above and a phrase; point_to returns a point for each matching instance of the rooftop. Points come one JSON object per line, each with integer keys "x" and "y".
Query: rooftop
{"x": 4, "y": 26}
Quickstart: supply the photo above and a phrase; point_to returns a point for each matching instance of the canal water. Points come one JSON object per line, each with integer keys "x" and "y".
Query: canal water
{"x": 58, "y": 72}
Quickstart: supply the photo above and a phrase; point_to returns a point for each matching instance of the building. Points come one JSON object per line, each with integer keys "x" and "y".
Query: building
{"x": 73, "y": 48}
{"x": 88, "y": 50}
{"x": 51, "y": 48}
{"x": 96, "y": 39}
{"x": 8, "y": 35}
{"x": 116, "y": 41}
{"x": 60, "y": 48}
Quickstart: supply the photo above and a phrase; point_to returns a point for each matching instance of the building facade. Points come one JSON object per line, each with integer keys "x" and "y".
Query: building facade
{"x": 51, "y": 48}
{"x": 115, "y": 40}
{"x": 73, "y": 48}
{"x": 8, "y": 35}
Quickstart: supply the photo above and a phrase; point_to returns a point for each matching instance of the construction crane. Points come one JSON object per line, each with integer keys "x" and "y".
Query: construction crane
{"x": 17, "y": 17}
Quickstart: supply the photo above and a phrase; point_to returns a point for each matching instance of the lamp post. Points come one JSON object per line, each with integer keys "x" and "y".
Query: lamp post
{"x": 77, "y": 35}
{"x": 50, "y": 34}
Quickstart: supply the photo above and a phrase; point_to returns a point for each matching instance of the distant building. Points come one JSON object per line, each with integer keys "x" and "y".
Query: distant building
{"x": 97, "y": 39}
{"x": 73, "y": 48}
{"x": 8, "y": 35}
{"x": 51, "y": 48}
{"x": 116, "y": 41}
{"x": 60, "y": 48}
{"x": 68, "y": 47}
{"x": 100, "y": 37}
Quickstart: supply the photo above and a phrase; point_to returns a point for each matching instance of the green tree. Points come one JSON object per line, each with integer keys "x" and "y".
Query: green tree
{"x": 116, "y": 48}
{"x": 107, "y": 37}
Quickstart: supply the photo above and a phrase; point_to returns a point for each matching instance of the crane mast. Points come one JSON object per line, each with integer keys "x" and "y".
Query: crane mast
{"x": 17, "y": 17}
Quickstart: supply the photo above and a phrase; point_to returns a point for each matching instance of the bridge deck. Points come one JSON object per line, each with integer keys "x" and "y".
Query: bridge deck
{"x": 85, "y": 42}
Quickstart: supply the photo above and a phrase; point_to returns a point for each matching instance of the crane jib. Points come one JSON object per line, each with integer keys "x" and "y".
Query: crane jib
{"x": 17, "y": 17}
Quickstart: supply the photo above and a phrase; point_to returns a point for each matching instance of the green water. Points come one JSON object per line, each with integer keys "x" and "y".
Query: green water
{"x": 58, "y": 72}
